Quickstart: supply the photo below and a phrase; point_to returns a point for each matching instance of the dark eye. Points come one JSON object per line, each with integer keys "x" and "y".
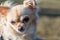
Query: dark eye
{"x": 25, "y": 19}
{"x": 13, "y": 22}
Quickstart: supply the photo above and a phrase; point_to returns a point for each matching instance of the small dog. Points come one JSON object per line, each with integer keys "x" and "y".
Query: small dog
{"x": 19, "y": 22}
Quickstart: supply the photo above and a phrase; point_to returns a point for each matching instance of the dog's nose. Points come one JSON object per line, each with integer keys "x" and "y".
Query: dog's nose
{"x": 21, "y": 29}
{"x": 25, "y": 19}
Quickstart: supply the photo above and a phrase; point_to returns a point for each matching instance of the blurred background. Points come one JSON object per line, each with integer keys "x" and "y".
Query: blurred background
{"x": 48, "y": 27}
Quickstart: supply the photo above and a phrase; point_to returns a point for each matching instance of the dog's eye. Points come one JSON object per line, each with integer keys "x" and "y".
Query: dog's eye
{"x": 26, "y": 19}
{"x": 13, "y": 22}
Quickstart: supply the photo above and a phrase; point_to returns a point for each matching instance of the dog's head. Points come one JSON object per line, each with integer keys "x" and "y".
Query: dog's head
{"x": 22, "y": 17}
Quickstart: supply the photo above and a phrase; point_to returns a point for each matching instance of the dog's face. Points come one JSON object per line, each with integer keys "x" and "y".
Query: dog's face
{"x": 21, "y": 17}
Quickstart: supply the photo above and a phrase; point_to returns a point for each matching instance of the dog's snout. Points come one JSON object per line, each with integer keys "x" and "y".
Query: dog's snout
{"x": 21, "y": 29}
{"x": 25, "y": 19}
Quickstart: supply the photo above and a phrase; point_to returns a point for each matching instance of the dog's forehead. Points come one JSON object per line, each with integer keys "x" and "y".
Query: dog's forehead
{"x": 21, "y": 10}
{"x": 26, "y": 11}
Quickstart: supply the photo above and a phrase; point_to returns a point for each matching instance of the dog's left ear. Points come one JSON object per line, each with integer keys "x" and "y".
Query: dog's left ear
{"x": 30, "y": 4}
{"x": 3, "y": 10}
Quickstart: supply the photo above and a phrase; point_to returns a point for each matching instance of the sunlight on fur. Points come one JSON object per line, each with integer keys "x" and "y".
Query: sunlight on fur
{"x": 18, "y": 22}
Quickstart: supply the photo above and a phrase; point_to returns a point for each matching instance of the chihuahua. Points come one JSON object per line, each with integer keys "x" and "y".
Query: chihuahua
{"x": 19, "y": 22}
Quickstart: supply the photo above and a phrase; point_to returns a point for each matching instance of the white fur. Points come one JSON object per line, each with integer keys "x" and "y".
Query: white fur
{"x": 10, "y": 31}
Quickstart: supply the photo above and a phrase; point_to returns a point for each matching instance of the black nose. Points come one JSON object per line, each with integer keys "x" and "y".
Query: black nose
{"x": 25, "y": 19}
{"x": 22, "y": 29}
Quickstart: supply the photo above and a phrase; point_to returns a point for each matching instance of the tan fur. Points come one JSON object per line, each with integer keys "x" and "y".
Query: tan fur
{"x": 3, "y": 10}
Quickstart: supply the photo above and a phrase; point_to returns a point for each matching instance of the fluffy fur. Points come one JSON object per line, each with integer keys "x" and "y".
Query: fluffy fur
{"x": 12, "y": 20}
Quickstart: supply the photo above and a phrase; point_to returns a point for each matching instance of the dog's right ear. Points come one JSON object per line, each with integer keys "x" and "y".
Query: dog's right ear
{"x": 3, "y": 10}
{"x": 31, "y": 4}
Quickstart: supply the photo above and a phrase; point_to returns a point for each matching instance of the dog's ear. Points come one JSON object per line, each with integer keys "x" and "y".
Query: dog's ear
{"x": 3, "y": 10}
{"x": 30, "y": 4}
